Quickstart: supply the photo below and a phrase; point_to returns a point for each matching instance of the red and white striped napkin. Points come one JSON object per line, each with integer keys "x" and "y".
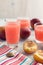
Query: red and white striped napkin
{"x": 18, "y": 59}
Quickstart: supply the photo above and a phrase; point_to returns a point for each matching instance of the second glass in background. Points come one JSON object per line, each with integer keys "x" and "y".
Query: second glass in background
{"x": 24, "y": 22}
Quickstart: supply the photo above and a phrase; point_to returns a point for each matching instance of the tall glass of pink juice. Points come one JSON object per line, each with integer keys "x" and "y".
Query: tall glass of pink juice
{"x": 24, "y": 22}
{"x": 39, "y": 32}
{"x": 12, "y": 30}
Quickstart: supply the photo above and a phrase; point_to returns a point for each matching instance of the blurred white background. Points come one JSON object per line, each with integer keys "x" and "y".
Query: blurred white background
{"x": 21, "y": 8}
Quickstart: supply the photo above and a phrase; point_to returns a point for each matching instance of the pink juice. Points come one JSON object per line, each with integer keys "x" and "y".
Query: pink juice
{"x": 12, "y": 30}
{"x": 39, "y": 32}
{"x": 24, "y": 23}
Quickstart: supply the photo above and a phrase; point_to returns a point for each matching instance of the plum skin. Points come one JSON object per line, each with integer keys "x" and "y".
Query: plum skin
{"x": 25, "y": 33}
{"x": 33, "y": 21}
{"x": 2, "y": 35}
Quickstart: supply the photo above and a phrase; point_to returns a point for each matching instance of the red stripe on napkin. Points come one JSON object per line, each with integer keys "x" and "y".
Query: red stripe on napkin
{"x": 12, "y": 59}
{"x": 18, "y": 61}
{"x": 36, "y": 63}
{"x": 4, "y": 49}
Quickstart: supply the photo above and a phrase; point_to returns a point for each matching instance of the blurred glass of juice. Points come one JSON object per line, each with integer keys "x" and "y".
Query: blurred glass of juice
{"x": 12, "y": 31}
{"x": 24, "y": 22}
{"x": 39, "y": 32}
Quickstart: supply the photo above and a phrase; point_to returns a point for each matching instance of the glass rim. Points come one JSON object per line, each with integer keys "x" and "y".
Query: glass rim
{"x": 39, "y": 23}
{"x": 36, "y": 24}
{"x": 15, "y": 23}
{"x": 12, "y": 20}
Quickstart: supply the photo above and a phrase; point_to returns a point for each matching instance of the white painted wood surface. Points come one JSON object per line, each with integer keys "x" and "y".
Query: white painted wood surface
{"x": 21, "y": 8}
{"x": 13, "y": 8}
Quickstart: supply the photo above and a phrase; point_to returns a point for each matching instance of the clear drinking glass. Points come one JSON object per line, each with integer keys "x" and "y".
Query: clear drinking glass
{"x": 12, "y": 31}
{"x": 24, "y": 22}
{"x": 38, "y": 27}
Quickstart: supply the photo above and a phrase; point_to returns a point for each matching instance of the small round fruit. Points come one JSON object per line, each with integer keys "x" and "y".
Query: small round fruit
{"x": 30, "y": 46}
{"x": 33, "y": 21}
{"x": 38, "y": 56}
{"x": 2, "y": 33}
{"x": 25, "y": 33}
